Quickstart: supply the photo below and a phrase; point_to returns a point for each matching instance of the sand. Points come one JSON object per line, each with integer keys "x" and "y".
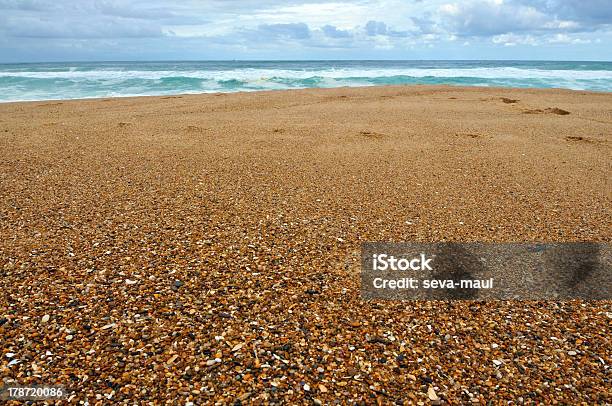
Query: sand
{"x": 205, "y": 248}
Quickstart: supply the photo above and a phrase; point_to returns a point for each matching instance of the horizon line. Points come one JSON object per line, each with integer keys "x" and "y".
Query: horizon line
{"x": 302, "y": 60}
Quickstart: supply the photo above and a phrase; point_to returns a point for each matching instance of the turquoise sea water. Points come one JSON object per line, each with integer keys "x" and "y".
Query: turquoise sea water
{"x": 44, "y": 81}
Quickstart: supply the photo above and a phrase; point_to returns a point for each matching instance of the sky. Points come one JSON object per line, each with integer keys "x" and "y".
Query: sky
{"x": 130, "y": 30}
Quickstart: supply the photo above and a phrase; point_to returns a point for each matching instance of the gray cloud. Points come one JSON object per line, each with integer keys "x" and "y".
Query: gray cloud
{"x": 485, "y": 18}
{"x": 333, "y": 32}
{"x": 425, "y": 24}
{"x": 247, "y": 27}
{"x": 376, "y": 28}
{"x": 163, "y": 14}
{"x": 102, "y": 28}
{"x": 287, "y": 31}
{"x": 598, "y": 11}
{"x": 537, "y": 17}
{"x": 117, "y": 9}
{"x": 26, "y": 5}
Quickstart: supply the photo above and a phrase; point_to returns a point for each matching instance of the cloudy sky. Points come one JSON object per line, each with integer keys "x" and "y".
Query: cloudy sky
{"x": 79, "y": 30}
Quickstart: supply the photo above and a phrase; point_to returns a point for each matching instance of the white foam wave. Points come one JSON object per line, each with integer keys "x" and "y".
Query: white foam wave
{"x": 265, "y": 74}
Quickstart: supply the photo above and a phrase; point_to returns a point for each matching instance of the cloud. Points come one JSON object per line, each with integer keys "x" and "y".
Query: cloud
{"x": 424, "y": 25}
{"x": 593, "y": 11}
{"x": 287, "y": 31}
{"x": 373, "y": 28}
{"x": 118, "y": 9}
{"x": 161, "y": 13}
{"x": 102, "y": 28}
{"x": 566, "y": 39}
{"x": 589, "y": 12}
{"x": 333, "y": 32}
{"x": 348, "y": 28}
{"x": 510, "y": 40}
{"x": 525, "y": 22}
{"x": 379, "y": 28}
{"x": 495, "y": 17}
{"x": 27, "y": 5}
{"x": 491, "y": 18}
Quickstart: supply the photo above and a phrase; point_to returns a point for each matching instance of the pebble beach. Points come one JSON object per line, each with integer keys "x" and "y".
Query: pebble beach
{"x": 205, "y": 249}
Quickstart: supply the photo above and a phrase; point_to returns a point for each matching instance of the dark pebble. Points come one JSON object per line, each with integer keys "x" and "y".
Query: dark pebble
{"x": 426, "y": 379}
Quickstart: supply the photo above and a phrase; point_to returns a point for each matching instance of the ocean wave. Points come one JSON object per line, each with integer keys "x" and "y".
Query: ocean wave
{"x": 74, "y": 81}
{"x": 264, "y": 74}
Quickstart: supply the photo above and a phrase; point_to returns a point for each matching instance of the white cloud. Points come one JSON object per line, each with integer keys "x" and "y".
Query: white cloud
{"x": 253, "y": 25}
{"x": 490, "y": 18}
{"x": 510, "y": 40}
{"x": 566, "y": 39}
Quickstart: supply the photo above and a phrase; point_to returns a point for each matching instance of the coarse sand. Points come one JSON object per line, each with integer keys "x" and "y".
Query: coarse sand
{"x": 205, "y": 248}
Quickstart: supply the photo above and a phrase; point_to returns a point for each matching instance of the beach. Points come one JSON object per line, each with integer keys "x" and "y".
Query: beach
{"x": 206, "y": 248}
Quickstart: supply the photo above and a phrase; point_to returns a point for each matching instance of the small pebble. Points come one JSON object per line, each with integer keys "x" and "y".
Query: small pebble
{"x": 216, "y": 291}
{"x": 431, "y": 394}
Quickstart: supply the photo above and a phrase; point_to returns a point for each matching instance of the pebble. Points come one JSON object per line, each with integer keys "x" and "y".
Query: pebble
{"x": 572, "y": 353}
{"x": 204, "y": 208}
{"x": 431, "y": 394}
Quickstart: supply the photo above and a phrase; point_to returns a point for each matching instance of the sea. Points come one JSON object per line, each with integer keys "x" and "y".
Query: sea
{"x": 76, "y": 80}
